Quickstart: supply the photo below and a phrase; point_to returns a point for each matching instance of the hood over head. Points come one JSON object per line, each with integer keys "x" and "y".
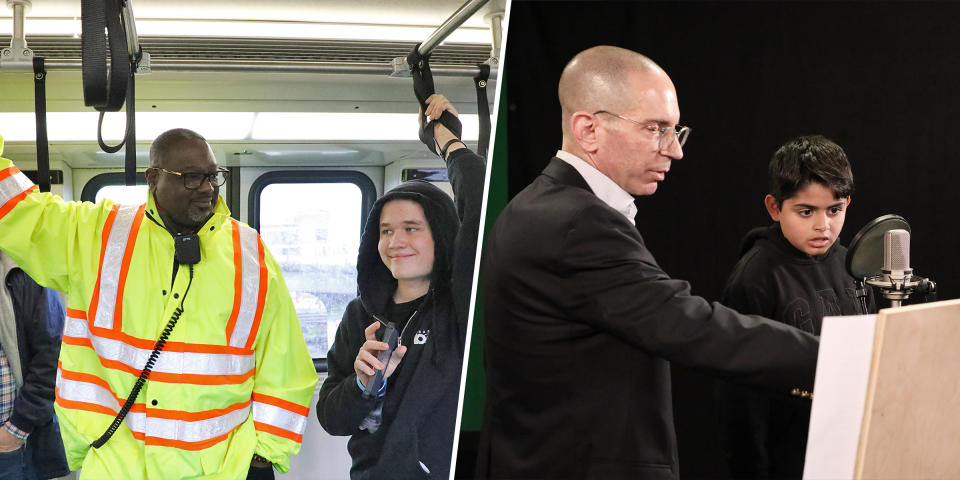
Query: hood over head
{"x": 374, "y": 280}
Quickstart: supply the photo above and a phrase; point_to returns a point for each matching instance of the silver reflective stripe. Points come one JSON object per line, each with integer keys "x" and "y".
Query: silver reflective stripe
{"x": 12, "y": 186}
{"x": 185, "y": 430}
{"x": 279, "y": 417}
{"x": 250, "y": 285}
{"x": 75, "y": 327}
{"x": 85, "y": 392}
{"x": 169, "y": 429}
{"x": 112, "y": 263}
{"x": 169, "y": 362}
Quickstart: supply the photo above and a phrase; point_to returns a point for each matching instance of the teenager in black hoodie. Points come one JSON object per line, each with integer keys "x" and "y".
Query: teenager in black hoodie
{"x": 793, "y": 272}
{"x": 415, "y": 269}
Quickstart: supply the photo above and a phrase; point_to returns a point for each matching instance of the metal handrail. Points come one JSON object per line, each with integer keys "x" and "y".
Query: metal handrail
{"x": 449, "y": 25}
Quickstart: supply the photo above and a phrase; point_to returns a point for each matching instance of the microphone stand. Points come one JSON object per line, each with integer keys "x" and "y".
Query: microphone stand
{"x": 898, "y": 285}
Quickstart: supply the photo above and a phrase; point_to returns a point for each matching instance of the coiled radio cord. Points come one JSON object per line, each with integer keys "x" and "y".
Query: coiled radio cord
{"x": 145, "y": 373}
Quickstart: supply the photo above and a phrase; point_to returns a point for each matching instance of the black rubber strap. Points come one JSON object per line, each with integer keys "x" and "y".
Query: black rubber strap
{"x": 40, "y": 109}
{"x": 103, "y": 92}
{"x": 446, "y": 146}
{"x": 423, "y": 88}
{"x": 129, "y": 137}
{"x": 483, "y": 108}
{"x": 422, "y": 77}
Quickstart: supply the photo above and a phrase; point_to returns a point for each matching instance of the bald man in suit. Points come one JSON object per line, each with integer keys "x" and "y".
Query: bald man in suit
{"x": 581, "y": 323}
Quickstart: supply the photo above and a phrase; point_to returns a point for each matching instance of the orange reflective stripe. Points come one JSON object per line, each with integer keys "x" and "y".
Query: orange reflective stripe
{"x": 189, "y": 432}
{"x": 89, "y": 407}
{"x": 120, "y": 241}
{"x": 103, "y": 252}
{"x": 191, "y": 378}
{"x": 14, "y": 187}
{"x": 264, "y": 427}
{"x": 279, "y": 417}
{"x": 237, "y": 279}
{"x": 9, "y": 172}
{"x": 142, "y": 408}
{"x": 279, "y": 402}
{"x": 83, "y": 377}
{"x": 182, "y": 363}
{"x": 195, "y": 416}
{"x": 262, "y": 296}
{"x": 250, "y": 285}
{"x": 179, "y": 444}
{"x": 149, "y": 344}
{"x": 78, "y": 341}
{"x": 125, "y": 266}
{"x": 8, "y": 205}
{"x": 193, "y": 430}
{"x": 85, "y": 392}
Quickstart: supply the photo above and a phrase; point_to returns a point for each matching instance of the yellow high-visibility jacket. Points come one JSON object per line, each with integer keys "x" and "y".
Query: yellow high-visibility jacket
{"x": 235, "y": 377}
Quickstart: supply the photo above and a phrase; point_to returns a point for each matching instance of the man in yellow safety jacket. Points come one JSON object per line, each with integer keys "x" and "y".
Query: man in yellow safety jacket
{"x": 229, "y": 392}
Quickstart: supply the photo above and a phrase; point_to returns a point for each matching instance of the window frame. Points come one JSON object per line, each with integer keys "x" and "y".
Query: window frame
{"x": 109, "y": 179}
{"x": 368, "y": 195}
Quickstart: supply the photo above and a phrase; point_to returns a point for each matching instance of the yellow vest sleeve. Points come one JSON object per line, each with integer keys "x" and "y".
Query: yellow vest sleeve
{"x": 55, "y": 242}
{"x": 285, "y": 376}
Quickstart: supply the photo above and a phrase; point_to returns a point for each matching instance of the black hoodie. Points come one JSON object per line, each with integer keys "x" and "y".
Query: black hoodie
{"x": 765, "y": 436}
{"x": 415, "y": 438}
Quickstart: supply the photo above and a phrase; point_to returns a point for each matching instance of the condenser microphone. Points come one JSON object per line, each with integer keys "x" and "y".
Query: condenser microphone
{"x": 879, "y": 256}
{"x": 896, "y": 255}
{"x": 896, "y": 280}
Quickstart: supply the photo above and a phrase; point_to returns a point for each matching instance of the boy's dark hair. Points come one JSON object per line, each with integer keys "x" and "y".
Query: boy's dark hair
{"x": 806, "y": 159}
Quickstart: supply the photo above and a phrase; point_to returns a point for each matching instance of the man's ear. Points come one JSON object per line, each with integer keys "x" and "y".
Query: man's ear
{"x": 772, "y": 208}
{"x": 151, "y": 174}
{"x": 583, "y": 127}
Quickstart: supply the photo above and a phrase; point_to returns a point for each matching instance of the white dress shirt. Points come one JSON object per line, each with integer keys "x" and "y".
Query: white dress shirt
{"x": 603, "y": 187}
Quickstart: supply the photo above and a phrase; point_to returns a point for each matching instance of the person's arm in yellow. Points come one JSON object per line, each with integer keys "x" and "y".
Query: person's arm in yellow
{"x": 54, "y": 241}
{"x": 58, "y": 244}
{"x": 285, "y": 378}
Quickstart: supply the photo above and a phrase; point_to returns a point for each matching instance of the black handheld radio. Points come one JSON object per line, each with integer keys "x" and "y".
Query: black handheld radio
{"x": 375, "y": 382}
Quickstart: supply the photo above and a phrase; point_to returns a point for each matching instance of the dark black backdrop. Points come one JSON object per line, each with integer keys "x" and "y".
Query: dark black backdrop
{"x": 878, "y": 78}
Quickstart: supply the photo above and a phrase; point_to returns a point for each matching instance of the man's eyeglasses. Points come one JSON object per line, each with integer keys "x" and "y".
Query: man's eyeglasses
{"x": 676, "y": 133}
{"x": 193, "y": 181}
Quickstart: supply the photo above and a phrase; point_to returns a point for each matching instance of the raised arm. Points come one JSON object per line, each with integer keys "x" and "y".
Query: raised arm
{"x": 466, "y": 171}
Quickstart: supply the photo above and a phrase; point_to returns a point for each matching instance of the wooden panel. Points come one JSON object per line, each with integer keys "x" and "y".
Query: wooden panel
{"x": 911, "y": 425}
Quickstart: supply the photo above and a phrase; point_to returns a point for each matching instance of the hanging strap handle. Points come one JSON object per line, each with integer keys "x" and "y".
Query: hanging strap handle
{"x": 108, "y": 92}
{"x": 40, "y": 111}
{"x": 483, "y": 108}
{"x": 103, "y": 92}
{"x": 423, "y": 88}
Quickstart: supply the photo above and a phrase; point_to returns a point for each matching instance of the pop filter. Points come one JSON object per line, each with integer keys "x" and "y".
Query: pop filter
{"x": 865, "y": 253}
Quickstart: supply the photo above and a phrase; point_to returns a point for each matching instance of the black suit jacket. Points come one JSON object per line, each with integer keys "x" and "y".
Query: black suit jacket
{"x": 581, "y": 324}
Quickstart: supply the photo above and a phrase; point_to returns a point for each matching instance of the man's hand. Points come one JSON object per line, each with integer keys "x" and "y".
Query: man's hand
{"x": 260, "y": 469}
{"x": 8, "y": 442}
{"x": 436, "y": 105}
{"x": 366, "y": 363}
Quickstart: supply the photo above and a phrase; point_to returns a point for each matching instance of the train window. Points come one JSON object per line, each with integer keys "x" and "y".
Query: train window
{"x": 123, "y": 194}
{"x": 311, "y": 222}
{"x": 111, "y": 185}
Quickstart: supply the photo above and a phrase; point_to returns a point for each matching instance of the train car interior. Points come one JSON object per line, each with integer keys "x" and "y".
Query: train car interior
{"x": 309, "y": 105}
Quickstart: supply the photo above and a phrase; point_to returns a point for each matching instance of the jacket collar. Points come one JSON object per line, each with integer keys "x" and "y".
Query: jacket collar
{"x": 564, "y": 173}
